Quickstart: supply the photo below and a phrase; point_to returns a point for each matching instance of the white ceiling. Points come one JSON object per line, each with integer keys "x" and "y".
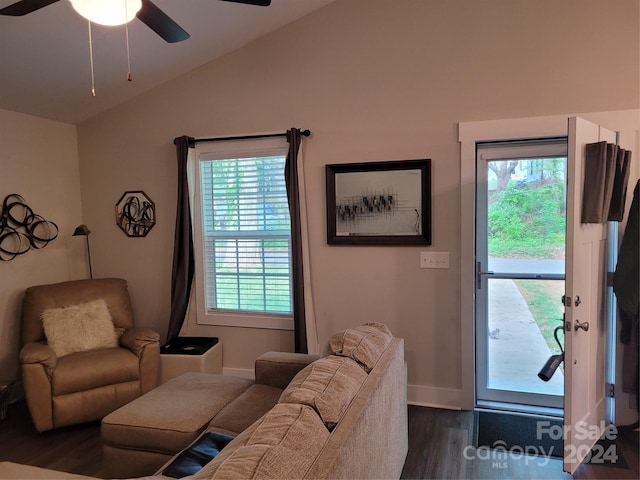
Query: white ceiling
{"x": 45, "y": 62}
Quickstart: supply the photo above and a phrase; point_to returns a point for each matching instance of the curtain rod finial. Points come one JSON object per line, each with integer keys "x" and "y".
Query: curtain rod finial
{"x": 190, "y": 140}
{"x": 306, "y": 133}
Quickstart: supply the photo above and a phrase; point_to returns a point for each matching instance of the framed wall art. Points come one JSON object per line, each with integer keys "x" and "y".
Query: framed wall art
{"x": 135, "y": 213}
{"x": 379, "y": 203}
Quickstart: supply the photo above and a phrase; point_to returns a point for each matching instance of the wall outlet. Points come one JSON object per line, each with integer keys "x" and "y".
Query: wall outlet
{"x": 434, "y": 259}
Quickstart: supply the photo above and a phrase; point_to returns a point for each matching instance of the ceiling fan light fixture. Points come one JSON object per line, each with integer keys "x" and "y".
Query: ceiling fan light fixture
{"x": 107, "y": 12}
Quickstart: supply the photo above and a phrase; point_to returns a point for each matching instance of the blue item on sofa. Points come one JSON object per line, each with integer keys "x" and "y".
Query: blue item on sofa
{"x": 201, "y": 452}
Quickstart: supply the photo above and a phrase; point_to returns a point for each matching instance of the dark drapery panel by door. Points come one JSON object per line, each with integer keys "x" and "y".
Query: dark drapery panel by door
{"x": 620, "y": 182}
{"x": 605, "y": 182}
{"x": 183, "y": 255}
{"x": 293, "y": 195}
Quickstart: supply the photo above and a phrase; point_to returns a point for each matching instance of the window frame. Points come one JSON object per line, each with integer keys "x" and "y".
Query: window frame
{"x": 220, "y": 150}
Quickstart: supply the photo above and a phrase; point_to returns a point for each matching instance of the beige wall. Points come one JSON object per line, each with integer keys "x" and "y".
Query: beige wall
{"x": 38, "y": 160}
{"x": 374, "y": 80}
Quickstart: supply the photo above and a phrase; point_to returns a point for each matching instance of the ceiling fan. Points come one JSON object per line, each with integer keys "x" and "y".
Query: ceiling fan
{"x": 145, "y": 10}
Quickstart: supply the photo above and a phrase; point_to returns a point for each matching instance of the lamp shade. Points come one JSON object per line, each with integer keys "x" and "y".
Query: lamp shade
{"x": 81, "y": 230}
{"x": 107, "y": 12}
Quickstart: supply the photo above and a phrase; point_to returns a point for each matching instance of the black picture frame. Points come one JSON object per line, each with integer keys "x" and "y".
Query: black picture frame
{"x": 379, "y": 203}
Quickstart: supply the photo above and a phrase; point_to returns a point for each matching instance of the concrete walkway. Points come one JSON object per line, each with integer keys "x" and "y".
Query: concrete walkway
{"x": 526, "y": 265}
{"x": 518, "y": 351}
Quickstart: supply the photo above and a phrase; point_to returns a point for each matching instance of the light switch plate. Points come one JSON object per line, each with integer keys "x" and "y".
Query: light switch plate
{"x": 434, "y": 259}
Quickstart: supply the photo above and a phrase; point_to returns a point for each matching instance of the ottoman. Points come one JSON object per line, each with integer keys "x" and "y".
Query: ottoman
{"x": 144, "y": 434}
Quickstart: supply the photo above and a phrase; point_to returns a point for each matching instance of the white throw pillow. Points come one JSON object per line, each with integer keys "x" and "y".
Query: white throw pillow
{"x": 76, "y": 328}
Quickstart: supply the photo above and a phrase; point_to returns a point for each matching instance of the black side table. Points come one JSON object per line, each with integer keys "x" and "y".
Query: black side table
{"x": 190, "y": 354}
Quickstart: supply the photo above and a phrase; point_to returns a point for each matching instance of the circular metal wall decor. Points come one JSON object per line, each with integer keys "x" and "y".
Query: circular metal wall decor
{"x": 135, "y": 213}
{"x": 21, "y": 229}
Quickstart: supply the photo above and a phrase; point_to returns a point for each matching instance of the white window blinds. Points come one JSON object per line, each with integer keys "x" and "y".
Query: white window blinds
{"x": 246, "y": 234}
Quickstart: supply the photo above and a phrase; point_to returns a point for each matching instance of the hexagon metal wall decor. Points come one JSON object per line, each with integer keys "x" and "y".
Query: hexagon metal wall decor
{"x": 135, "y": 213}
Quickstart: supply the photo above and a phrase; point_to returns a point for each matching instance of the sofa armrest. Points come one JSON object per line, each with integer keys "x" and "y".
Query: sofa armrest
{"x": 144, "y": 343}
{"x": 35, "y": 352}
{"x": 277, "y": 369}
{"x": 14, "y": 471}
{"x": 39, "y": 363}
{"x": 137, "y": 339}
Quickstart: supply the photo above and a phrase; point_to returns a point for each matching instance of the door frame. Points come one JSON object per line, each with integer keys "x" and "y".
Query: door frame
{"x": 470, "y": 133}
{"x": 624, "y": 121}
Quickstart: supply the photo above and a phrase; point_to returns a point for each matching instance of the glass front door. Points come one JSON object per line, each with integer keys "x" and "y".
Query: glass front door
{"x": 520, "y": 253}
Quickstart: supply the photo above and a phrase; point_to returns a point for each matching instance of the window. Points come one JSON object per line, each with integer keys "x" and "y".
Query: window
{"x": 243, "y": 234}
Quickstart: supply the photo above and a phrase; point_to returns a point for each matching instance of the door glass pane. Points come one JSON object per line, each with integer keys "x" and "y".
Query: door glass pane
{"x": 525, "y": 242}
{"x": 522, "y": 317}
{"x": 526, "y": 210}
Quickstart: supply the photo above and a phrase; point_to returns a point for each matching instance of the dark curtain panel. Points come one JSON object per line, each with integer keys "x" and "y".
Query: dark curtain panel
{"x": 593, "y": 191}
{"x": 183, "y": 257}
{"x": 610, "y": 175}
{"x": 599, "y": 171}
{"x": 620, "y": 182}
{"x": 293, "y": 195}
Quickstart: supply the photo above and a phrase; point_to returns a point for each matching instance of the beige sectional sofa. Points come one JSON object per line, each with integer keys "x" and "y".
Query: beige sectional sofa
{"x": 340, "y": 415}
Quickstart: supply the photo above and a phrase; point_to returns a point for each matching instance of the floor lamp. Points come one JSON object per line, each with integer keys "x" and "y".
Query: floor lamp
{"x": 83, "y": 231}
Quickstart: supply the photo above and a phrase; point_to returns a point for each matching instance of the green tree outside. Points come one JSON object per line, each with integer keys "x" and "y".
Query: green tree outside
{"x": 527, "y": 219}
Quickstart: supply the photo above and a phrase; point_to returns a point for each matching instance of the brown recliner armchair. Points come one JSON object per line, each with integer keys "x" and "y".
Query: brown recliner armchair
{"x": 86, "y": 385}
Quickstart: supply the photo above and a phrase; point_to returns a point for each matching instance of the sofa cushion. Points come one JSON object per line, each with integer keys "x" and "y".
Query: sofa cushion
{"x": 328, "y": 385}
{"x": 16, "y": 471}
{"x": 38, "y": 298}
{"x": 77, "y": 328}
{"x": 252, "y": 404}
{"x": 94, "y": 368}
{"x": 365, "y": 343}
{"x": 278, "y": 368}
{"x": 284, "y": 443}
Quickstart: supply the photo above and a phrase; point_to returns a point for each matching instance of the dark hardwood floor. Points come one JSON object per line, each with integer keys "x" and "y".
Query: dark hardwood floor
{"x": 75, "y": 449}
{"x": 440, "y": 446}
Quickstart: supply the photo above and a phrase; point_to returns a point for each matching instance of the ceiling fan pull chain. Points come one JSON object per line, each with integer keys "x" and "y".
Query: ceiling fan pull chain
{"x": 126, "y": 29}
{"x": 93, "y": 80}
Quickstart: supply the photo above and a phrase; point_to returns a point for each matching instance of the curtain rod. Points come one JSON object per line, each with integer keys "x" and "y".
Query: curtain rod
{"x": 192, "y": 140}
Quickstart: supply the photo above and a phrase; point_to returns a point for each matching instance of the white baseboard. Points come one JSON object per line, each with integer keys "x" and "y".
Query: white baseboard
{"x": 434, "y": 397}
{"x": 238, "y": 372}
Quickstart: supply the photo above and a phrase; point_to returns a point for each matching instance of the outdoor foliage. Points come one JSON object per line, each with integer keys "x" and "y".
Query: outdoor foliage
{"x": 543, "y": 300}
{"x": 527, "y": 220}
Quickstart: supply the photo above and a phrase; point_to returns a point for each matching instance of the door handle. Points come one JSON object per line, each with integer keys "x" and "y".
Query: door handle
{"x": 479, "y": 274}
{"x": 583, "y": 325}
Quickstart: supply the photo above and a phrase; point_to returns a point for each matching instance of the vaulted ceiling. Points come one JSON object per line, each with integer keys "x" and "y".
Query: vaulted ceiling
{"x": 45, "y": 56}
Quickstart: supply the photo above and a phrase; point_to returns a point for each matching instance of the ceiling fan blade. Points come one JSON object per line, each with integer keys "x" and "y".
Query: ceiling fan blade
{"x": 23, "y": 7}
{"x": 260, "y": 3}
{"x": 161, "y": 23}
